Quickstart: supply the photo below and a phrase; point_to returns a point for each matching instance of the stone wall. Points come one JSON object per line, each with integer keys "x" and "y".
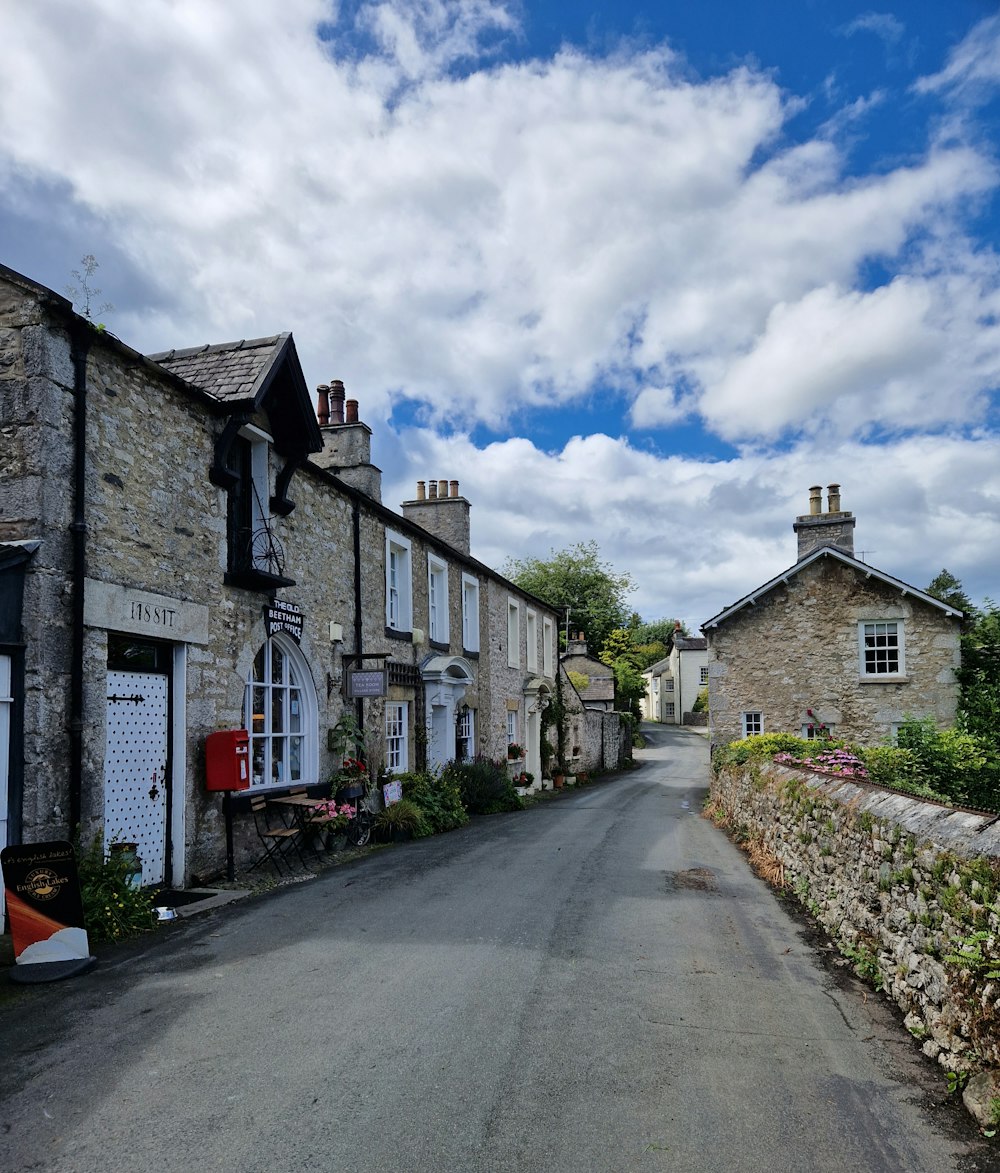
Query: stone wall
{"x": 897, "y": 881}
{"x": 797, "y": 649}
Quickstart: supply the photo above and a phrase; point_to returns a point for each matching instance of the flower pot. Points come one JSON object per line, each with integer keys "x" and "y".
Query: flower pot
{"x": 346, "y": 793}
{"x": 557, "y": 781}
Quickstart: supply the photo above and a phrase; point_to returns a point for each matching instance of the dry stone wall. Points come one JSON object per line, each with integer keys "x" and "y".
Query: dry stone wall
{"x": 902, "y": 884}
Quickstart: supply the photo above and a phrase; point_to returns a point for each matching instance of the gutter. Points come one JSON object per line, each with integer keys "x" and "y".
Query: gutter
{"x": 81, "y": 339}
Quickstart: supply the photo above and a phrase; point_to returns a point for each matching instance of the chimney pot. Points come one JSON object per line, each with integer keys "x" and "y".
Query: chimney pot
{"x": 453, "y": 486}
{"x": 421, "y": 493}
{"x": 432, "y": 490}
{"x": 442, "y": 488}
{"x": 352, "y": 411}
{"x": 833, "y": 498}
{"x": 816, "y": 499}
{"x": 336, "y": 401}
{"x": 323, "y": 404}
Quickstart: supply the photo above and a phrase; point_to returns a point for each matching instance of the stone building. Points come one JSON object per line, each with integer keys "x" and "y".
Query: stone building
{"x": 594, "y": 680}
{"x": 673, "y": 683}
{"x": 186, "y": 546}
{"x": 831, "y": 644}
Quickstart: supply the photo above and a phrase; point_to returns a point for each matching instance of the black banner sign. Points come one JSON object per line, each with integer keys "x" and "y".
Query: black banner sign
{"x": 286, "y": 617}
{"x": 45, "y": 910}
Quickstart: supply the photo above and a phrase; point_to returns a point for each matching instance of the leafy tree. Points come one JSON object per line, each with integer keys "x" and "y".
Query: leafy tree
{"x": 619, "y": 646}
{"x": 979, "y": 675}
{"x": 661, "y": 631}
{"x": 948, "y": 589}
{"x": 629, "y": 687}
{"x": 577, "y": 578}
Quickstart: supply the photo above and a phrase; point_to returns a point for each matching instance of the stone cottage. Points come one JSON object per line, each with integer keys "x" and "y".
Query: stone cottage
{"x": 831, "y": 644}
{"x": 187, "y": 546}
{"x": 673, "y": 683}
{"x": 593, "y": 680}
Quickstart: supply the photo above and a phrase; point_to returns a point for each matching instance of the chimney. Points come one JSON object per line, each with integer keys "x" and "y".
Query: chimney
{"x": 336, "y": 401}
{"x": 833, "y": 528}
{"x": 346, "y": 443}
{"x": 323, "y": 404}
{"x": 442, "y": 512}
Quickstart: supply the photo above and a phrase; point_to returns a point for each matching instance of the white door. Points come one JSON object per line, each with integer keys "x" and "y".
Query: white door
{"x": 6, "y": 703}
{"x": 135, "y": 767}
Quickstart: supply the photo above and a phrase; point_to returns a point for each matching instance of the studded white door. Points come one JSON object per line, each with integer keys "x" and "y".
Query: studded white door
{"x": 135, "y": 767}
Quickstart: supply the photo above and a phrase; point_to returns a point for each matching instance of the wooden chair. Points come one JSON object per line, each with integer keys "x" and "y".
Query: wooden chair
{"x": 278, "y": 842}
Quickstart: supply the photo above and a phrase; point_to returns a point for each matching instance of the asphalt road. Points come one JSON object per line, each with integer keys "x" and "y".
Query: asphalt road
{"x": 598, "y": 983}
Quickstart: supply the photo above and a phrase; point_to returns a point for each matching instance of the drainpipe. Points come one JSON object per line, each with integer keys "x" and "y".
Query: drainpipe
{"x": 81, "y": 337}
{"x": 359, "y": 703}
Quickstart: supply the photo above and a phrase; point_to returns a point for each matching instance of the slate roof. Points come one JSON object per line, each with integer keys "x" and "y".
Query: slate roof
{"x": 838, "y": 555}
{"x": 690, "y": 643}
{"x": 230, "y": 371}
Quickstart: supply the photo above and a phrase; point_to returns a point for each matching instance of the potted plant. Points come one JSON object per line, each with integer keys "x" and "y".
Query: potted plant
{"x": 330, "y": 818}
{"x": 401, "y": 820}
{"x": 514, "y": 751}
{"x": 350, "y": 781}
{"x": 558, "y": 776}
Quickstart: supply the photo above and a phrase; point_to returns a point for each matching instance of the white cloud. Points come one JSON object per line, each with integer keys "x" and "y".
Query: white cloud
{"x": 698, "y": 535}
{"x": 501, "y": 236}
{"x": 883, "y": 24}
{"x": 974, "y": 64}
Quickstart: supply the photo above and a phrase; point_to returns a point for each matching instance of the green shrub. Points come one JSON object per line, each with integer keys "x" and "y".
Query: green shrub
{"x": 404, "y": 817}
{"x": 760, "y": 747}
{"x": 484, "y": 785}
{"x": 439, "y": 798}
{"x": 961, "y": 766}
{"x": 113, "y": 907}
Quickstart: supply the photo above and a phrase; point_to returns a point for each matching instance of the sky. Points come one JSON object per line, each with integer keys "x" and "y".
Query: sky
{"x": 637, "y": 274}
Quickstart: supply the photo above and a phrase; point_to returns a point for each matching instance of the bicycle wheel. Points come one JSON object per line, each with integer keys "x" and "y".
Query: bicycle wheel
{"x": 359, "y": 830}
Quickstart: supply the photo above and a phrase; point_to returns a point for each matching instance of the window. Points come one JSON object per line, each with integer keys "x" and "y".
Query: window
{"x": 668, "y": 684}
{"x": 437, "y": 599}
{"x": 279, "y": 710}
{"x": 465, "y": 730}
{"x": 396, "y": 740}
{"x": 512, "y": 727}
{"x": 513, "y": 634}
{"x": 669, "y": 709}
{"x": 470, "y": 613}
{"x": 398, "y": 594}
{"x": 818, "y": 730}
{"x": 753, "y": 722}
{"x": 548, "y": 632}
{"x": 531, "y": 637}
{"x": 254, "y": 549}
{"x": 881, "y": 646}
{"x": 656, "y": 685}
{"x": 703, "y": 674}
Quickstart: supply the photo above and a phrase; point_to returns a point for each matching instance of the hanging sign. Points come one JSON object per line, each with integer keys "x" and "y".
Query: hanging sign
{"x": 367, "y": 682}
{"x": 282, "y": 616}
{"x": 46, "y": 912}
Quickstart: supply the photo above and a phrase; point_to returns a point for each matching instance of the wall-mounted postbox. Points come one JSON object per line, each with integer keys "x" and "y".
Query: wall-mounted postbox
{"x": 227, "y": 760}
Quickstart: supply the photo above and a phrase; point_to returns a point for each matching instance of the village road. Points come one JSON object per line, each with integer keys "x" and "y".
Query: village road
{"x": 596, "y": 984}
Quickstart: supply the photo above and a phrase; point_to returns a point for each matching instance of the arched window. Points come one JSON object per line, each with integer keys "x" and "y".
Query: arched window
{"x": 279, "y": 710}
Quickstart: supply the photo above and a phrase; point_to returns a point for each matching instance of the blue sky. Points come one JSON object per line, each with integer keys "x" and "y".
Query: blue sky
{"x": 638, "y": 273}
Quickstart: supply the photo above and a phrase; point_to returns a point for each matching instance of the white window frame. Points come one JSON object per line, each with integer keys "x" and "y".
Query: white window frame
{"x": 548, "y": 633}
{"x": 752, "y": 721}
{"x": 283, "y": 695}
{"x": 398, "y": 582}
{"x": 875, "y": 629}
{"x": 702, "y": 675}
{"x": 668, "y": 684}
{"x": 259, "y": 490}
{"x": 670, "y": 709}
{"x": 470, "y": 613}
{"x": 437, "y": 599}
{"x": 531, "y": 638}
{"x": 810, "y": 730}
{"x": 513, "y": 633}
{"x": 397, "y": 736}
{"x": 512, "y": 724}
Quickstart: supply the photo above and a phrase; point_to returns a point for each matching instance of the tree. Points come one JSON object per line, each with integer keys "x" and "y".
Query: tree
{"x": 948, "y": 589}
{"x": 577, "y": 579}
{"x": 660, "y": 631}
{"x": 979, "y": 675}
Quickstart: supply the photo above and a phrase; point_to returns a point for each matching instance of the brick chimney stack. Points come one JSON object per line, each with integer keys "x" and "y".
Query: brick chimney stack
{"x": 835, "y": 527}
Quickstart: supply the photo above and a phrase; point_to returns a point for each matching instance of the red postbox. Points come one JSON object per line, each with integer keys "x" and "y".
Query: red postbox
{"x": 227, "y": 760}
